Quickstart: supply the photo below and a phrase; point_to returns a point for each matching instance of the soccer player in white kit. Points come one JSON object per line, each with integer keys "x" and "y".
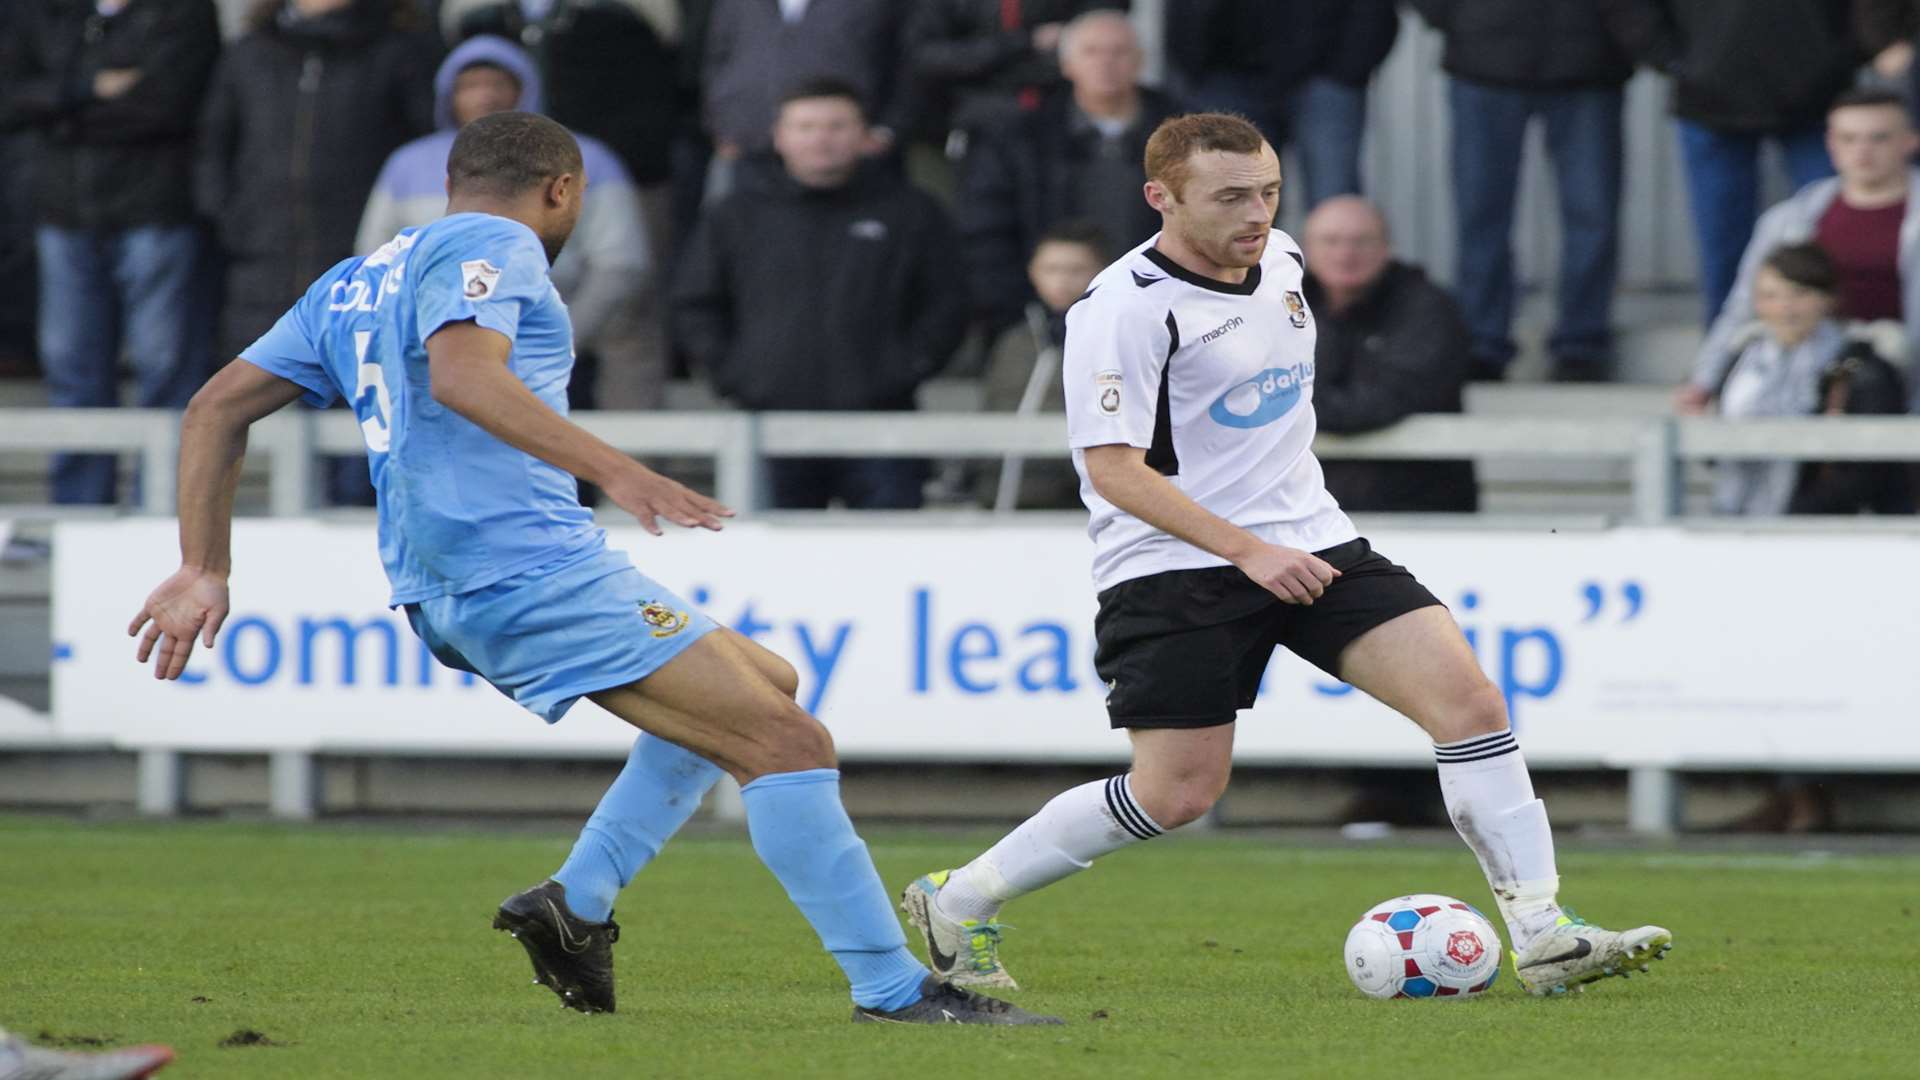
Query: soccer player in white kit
{"x": 1189, "y": 382}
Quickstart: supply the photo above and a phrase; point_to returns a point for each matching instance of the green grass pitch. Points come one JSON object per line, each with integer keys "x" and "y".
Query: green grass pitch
{"x": 365, "y": 952}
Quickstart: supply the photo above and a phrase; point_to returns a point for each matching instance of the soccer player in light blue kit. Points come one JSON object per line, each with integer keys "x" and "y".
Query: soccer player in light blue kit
{"x": 455, "y": 349}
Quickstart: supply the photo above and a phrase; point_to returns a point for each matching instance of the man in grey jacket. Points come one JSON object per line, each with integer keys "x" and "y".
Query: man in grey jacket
{"x": 1867, "y": 219}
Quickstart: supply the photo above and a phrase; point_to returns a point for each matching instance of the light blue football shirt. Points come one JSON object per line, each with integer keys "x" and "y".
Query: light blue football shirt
{"x": 459, "y": 509}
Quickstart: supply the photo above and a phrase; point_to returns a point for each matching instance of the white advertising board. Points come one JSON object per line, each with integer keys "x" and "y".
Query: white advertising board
{"x": 1615, "y": 647}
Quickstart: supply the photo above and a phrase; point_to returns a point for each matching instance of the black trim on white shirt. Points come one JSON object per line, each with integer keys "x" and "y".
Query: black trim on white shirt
{"x": 1160, "y": 454}
{"x": 1241, "y": 288}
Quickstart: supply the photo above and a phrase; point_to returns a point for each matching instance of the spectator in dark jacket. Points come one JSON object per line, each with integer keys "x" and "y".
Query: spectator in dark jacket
{"x": 1510, "y": 61}
{"x": 1391, "y": 345}
{"x": 1887, "y": 30}
{"x": 979, "y": 62}
{"x": 1297, "y": 68}
{"x": 303, "y": 112}
{"x": 822, "y": 282}
{"x": 1079, "y": 156}
{"x": 757, "y": 50}
{"x": 1745, "y": 74}
{"x": 17, "y": 255}
{"x": 110, "y": 90}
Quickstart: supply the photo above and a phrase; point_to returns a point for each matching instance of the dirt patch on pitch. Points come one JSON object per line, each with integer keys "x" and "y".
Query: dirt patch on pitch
{"x": 250, "y": 1037}
{"x": 73, "y": 1042}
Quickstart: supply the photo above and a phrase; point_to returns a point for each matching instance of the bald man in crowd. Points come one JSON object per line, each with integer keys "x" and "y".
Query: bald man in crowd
{"x": 1075, "y": 158}
{"x": 1391, "y": 345}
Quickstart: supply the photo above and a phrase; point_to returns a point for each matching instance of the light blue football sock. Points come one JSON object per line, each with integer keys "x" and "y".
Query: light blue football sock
{"x": 801, "y": 831}
{"x": 652, "y": 797}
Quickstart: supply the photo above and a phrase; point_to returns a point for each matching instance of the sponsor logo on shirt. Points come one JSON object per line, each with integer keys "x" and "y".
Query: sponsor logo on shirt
{"x": 868, "y": 229}
{"x": 1262, "y": 399}
{"x": 1296, "y": 309}
{"x": 480, "y": 277}
{"x": 1106, "y": 386}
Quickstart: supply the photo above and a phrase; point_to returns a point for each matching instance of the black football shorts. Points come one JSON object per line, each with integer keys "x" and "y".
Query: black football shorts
{"x": 1187, "y": 648}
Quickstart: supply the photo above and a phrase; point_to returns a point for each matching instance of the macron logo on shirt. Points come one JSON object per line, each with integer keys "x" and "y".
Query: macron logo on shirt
{"x": 1222, "y": 330}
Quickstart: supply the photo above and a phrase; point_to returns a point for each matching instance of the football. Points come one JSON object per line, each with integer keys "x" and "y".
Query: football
{"x": 1423, "y": 946}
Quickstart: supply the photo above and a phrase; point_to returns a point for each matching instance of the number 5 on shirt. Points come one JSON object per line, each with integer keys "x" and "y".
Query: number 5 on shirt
{"x": 370, "y": 400}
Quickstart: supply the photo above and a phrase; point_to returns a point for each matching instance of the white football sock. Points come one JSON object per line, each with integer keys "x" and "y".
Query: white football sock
{"x": 1490, "y": 799}
{"x": 1064, "y": 838}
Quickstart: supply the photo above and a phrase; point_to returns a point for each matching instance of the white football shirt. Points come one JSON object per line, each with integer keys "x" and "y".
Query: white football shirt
{"x": 1215, "y": 382}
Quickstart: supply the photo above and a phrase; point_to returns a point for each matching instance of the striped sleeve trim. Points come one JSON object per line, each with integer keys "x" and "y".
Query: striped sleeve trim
{"x": 1127, "y": 812}
{"x": 1480, "y": 749}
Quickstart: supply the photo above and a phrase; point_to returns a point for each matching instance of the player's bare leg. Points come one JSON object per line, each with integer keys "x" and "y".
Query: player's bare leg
{"x": 1177, "y": 776}
{"x": 1179, "y": 773}
{"x": 1419, "y": 665}
{"x": 713, "y": 700}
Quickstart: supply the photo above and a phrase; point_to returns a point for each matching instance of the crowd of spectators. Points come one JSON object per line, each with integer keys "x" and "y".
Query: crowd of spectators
{"x": 821, "y": 204}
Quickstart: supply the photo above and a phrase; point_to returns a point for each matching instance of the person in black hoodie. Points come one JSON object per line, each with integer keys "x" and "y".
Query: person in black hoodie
{"x": 822, "y": 282}
{"x": 108, "y": 90}
{"x": 1510, "y": 61}
{"x": 1297, "y": 68}
{"x": 303, "y": 111}
{"x": 1746, "y": 72}
{"x": 1391, "y": 346}
{"x": 1077, "y": 157}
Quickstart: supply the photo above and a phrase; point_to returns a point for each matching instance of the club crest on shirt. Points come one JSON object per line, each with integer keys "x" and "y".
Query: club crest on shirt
{"x": 480, "y": 276}
{"x": 1106, "y": 387}
{"x": 1296, "y": 309}
{"x": 665, "y": 621}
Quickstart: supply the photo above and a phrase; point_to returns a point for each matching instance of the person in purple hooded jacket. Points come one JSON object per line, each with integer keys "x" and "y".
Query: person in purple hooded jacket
{"x": 603, "y": 273}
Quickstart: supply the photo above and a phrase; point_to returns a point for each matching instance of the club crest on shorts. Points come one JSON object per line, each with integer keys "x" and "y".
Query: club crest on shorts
{"x": 665, "y": 621}
{"x": 480, "y": 277}
{"x": 1296, "y": 309}
{"x": 1106, "y": 385}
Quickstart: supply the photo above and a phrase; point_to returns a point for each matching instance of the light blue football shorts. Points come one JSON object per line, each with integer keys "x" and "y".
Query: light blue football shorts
{"x": 550, "y": 636}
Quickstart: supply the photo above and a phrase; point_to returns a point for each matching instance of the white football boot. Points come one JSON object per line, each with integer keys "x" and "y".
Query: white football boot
{"x": 1573, "y": 954}
{"x": 962, "y": 952}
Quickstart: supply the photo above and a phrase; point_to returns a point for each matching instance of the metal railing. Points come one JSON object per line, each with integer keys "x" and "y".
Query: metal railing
{"x": 739, "y": 444}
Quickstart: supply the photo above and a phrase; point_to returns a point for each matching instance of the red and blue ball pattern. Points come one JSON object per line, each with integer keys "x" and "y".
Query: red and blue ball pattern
{"x": 1423, "y": 946}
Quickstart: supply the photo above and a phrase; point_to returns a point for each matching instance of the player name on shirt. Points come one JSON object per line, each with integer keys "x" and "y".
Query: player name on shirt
{"x": 1214, "y": 380}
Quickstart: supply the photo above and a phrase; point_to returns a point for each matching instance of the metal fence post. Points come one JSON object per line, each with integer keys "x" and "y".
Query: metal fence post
{"x": 161, "y": 783}
{"x": 1653, "y": 799}
{"x": 737, "y": 465}
{"x": 293, "y": 785}
{"x": 159, "y": 462}
{"x": 290, "y": 465}
{"x": 726, "y": 803}
{"x": 1656, "y": 473}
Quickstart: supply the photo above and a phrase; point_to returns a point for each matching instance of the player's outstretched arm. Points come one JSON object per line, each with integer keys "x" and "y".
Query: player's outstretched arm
{"x": 467, "y": 369}
{"x": 1122, "y": 477}
{"x": 213, "y": 438}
